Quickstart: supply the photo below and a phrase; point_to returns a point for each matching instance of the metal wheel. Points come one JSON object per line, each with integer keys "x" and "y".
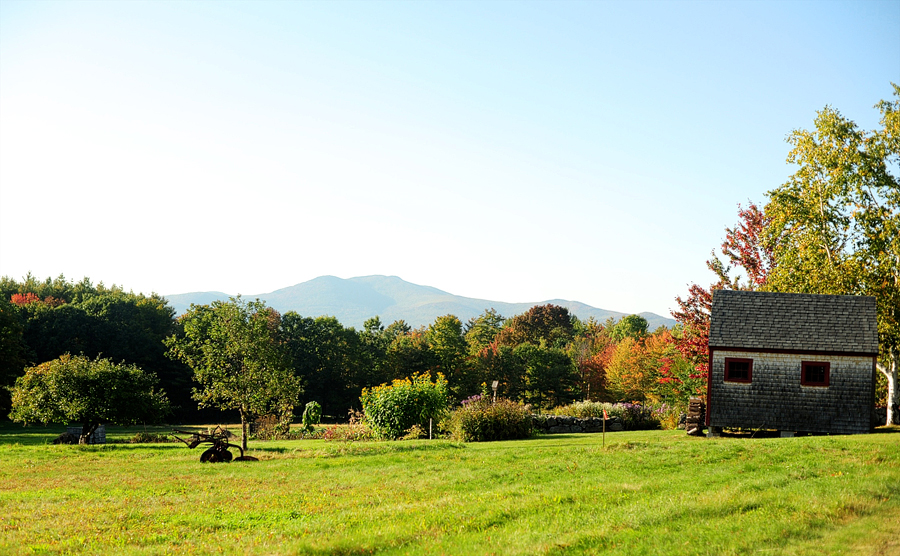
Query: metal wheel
{"x": 209, "y": 456}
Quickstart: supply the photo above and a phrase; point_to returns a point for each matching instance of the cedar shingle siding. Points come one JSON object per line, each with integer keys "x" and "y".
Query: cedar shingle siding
{"x": 779, "y": 332}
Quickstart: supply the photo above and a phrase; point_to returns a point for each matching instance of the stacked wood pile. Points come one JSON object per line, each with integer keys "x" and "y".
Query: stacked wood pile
{"x": 696, "y": 417}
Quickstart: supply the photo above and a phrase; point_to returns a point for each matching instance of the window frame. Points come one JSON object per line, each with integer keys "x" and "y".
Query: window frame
{"x": 749, "y": 362}
{"x": 823, "y": 384}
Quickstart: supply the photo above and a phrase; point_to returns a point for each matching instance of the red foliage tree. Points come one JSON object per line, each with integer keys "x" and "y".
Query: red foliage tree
{"x": 745, "y": 249}
{"x": 24, "y": 299}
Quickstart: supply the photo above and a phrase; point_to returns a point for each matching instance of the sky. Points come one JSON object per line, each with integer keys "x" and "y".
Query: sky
{"x": 510, "y": 151}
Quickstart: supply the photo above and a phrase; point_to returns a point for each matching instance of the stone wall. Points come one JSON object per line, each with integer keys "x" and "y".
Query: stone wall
{"x": 99, "y": 436}
{"x": 774, "y": 399}
{"x": 561, "y": 423}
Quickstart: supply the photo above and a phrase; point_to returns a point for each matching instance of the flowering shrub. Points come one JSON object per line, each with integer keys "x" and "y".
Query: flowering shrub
{"x": 634, "y": 416}
{"x": 356, "y": 430}
{"x": 415, "y": 432}
{"x": 583, "y": 410}
{"x": 479, "y": 420}
{"x": 348, "y": 433}
{"x": 668, "y": 415}
{"x": 392, "y": 409}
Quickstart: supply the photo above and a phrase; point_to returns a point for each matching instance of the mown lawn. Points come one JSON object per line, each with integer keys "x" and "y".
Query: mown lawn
{"x": 658, "y": 492}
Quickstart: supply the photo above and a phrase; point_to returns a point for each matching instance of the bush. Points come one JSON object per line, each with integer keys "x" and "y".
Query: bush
{"x": 274, "y": 427}
{"x": 263, "y": 428}
{"x": 415, "y": 432}
{"x": 392, "y": 409}
{"x": 668, "y": 415}
{"x": 356, "y": 430}
{"x": 583, "y": 410}
{"x": 634, "y": 416}
{"x": 149, "y": 438}
{"x": 479, "y": 420}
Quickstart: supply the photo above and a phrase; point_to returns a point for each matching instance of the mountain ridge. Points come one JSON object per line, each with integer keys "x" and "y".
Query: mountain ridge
{"x": 354, "y": 300}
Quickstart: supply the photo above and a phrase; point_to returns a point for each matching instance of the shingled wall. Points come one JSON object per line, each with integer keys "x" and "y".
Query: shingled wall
{"x": 776, "y": 400}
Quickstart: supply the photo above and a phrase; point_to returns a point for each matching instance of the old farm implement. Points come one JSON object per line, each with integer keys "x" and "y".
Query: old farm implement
{"x": 218, "y": 452}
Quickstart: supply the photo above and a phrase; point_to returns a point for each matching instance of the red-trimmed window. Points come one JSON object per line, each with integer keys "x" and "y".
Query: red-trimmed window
{"x": 815, "y": 373}
{"x": 738, "y": 370}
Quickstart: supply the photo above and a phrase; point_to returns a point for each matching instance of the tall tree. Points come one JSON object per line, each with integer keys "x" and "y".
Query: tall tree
{"x": 238, "y": 360}
{"x": 631, "y": 374}
{"x": 548, "y": 324}
{"x": 587, "y": 350}
{"x": 835, "y": 225}
{"x": 447, "y": 343}
{"x": 481, "y": 330}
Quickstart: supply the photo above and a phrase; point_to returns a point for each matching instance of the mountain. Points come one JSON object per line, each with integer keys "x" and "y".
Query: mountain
{"x": 354, "y": 300}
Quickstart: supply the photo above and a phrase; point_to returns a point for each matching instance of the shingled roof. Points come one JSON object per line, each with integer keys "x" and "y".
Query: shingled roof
{"x": 793, "y": 321}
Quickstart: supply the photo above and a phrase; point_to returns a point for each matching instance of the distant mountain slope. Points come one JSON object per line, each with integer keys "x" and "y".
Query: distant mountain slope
{"x": 354, "y": 300}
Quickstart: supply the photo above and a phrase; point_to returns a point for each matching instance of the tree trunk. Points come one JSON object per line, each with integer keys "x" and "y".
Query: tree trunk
{"x": 243, "y": 431}
{"x": 893, "y": 411}
{"x": 87, "y": 429}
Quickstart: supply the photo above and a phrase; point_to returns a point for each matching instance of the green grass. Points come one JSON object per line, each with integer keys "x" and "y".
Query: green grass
{"x": 656, "y": 492}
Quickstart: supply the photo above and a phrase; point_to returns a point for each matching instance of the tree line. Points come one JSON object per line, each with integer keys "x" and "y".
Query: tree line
{"x": 544, "y": 357}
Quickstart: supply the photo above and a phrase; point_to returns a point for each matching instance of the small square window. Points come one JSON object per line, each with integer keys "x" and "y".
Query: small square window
{"x": 815, "y": 373}
{"x": 738, "y": 370}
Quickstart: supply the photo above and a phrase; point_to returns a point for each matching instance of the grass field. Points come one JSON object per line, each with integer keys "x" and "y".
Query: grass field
{"x": 657, "y": 492}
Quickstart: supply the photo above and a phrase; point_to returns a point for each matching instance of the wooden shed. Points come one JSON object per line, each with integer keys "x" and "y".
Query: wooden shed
{"x": 792, "y": 362}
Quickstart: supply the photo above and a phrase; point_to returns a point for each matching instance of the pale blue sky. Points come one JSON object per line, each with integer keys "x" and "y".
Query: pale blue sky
{"x": 592, "y": 151}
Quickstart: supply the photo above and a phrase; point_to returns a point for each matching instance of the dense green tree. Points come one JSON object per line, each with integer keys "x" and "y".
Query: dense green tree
{"x": 331, "y": 361}
{"x": 630, "y": 326}
{"x": 542, "y": 324}
{"x": 448, "y": 345}
{"x": 409, "y": 354}
{"x": 374, "y": 341}
{"x": 12, "y": 351}
{"x": 550, "y": 377}
{"x": 395, "y": 329}
{"x": 835, "y": 224}
{"x": 238, "y": 359}
{"x": 76, "y": 389}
